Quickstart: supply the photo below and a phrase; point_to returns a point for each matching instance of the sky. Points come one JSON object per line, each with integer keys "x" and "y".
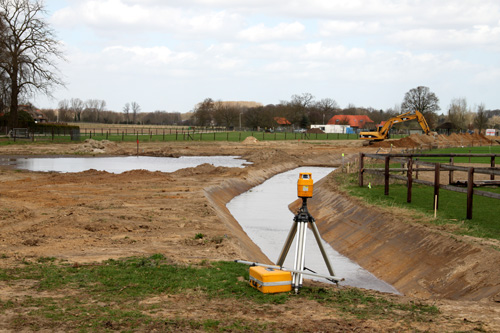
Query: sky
{"x": 169, "y": 55}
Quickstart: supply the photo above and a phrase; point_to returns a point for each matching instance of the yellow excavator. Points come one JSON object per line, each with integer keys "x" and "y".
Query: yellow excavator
{"x": 382, "y": 132}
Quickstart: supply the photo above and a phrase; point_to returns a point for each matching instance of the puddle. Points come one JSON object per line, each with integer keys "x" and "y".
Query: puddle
{"x": 120, "y": 164}
{"x": 264, "y": 215}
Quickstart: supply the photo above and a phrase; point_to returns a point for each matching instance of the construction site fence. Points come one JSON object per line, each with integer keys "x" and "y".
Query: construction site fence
{"x": 176, "y": 134}
{"x": 411, "y": 166}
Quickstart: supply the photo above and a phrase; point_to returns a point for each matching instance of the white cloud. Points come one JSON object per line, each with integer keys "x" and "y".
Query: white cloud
{"x": 476, "y": 36}
{"x": 118, "y": 17}
{"x": 347, "y": 28}
{"x": 283, "y": 31}
{"x": 290, "y": 44}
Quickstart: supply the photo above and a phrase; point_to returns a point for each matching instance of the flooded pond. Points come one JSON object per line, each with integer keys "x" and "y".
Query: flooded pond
{"x": 120, "y": 164}
{"x": 264, "y": 215}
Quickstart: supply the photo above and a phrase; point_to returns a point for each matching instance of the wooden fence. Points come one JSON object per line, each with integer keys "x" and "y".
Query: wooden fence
{"x": 411, "y": 165}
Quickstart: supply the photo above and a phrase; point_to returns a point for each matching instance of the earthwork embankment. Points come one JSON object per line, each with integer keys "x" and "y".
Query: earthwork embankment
{"x": 416, "y": 259}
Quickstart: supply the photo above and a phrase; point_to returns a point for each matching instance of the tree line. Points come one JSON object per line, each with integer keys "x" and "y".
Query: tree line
{"x": 300, "y": 111}
{"x": 303, "y": 110}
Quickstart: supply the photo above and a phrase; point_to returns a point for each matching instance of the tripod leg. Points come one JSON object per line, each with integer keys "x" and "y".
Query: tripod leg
{"x": 288, "y": 244}
{"x": 296, "y": 263}
{"x": 303, "y": 253}
{"x": 321, "y": 248}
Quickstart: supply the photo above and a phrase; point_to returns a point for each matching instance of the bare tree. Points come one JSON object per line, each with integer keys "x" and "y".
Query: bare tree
{"x": 481, "y": 119}
{"x": 77, "y": 106}
{"x": 101, "y": 106}
{"x": 29, "y": 50}
{"x": 423, "y": 100}
{"x": 4, "y": 91}
{"x": 457, "y": 113}
{"x": 226, "y": 115}
{"x": 64, "y": 112}
{"x": 298, "y": 107}
{"x": 327, "y": 108}
{"x": 126, "y": 111}
{"x": 135, "y": 110}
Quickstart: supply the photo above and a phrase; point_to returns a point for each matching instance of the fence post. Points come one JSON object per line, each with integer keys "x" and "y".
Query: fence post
{"x": 492, "y": 176}
{"x": 436, "y": 184}
{"x": 409, "y": 174}
{"x": 416, "y": 168}
{"x": 470, "y": 191}
{"x": 386, "y": 175}
{"x": 450, "y": 176}
{"x": 361, "y": 168}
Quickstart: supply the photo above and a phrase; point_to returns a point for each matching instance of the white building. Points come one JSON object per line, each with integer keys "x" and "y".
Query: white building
{"x": 332, "y": 128}
{"x": 492, "y": 132}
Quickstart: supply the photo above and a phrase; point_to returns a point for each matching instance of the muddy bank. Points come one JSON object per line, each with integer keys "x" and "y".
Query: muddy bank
{"x": 415, "y": 259}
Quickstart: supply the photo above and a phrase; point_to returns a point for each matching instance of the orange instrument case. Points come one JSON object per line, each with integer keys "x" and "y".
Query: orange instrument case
{"x": 269, "y": 280}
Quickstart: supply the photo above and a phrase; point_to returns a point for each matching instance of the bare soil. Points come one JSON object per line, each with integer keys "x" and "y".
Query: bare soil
{"x": 93, "y": 216}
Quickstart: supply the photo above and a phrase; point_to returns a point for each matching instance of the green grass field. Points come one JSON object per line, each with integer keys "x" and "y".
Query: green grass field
{"x": 168, "y": 135}
{"x": 110, "y": 296}
{"x": 464, "y": 150}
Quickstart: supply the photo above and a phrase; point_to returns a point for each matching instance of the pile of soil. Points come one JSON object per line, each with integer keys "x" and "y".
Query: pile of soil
{"x": 250, "y": 140}
{"x": 96, "y": 147}
{"x": 437, "y": 141}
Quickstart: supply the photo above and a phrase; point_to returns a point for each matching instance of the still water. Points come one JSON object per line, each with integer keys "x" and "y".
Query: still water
{"x": 264, "y": 215}
{"x": 120, "y": 164}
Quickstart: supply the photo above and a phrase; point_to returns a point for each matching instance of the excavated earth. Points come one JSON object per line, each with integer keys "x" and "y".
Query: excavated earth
{"x": 93, "y": 216}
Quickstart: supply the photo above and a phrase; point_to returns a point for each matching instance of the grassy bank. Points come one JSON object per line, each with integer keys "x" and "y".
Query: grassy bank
{"x": 452, "y": 205}
{"x": 123, "y": 295}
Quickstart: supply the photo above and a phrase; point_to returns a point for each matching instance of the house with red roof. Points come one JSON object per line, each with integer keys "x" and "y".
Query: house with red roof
{"x": 358, "y": 121}
{"x": 282, "y": 121}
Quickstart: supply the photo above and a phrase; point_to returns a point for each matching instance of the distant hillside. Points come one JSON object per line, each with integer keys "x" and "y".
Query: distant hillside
{"x": 244, "y": 104}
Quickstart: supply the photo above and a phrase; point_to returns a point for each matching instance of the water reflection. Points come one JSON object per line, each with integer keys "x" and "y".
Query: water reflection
{"x": 264, "y": 215}
{"x": 120, "y": 164}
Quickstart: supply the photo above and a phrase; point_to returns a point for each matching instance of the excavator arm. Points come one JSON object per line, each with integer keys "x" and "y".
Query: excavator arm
{"x": 382, "y": 132}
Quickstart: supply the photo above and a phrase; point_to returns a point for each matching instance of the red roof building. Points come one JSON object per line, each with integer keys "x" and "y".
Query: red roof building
{"x": 352, "y": 121}
{"x": 282, "y": 121}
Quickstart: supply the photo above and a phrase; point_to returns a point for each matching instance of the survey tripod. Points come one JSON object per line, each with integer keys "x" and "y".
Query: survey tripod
{"x": 301, "y": 220}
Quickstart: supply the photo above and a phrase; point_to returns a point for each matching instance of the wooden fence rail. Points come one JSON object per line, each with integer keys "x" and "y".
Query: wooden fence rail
{"x": 416, "y": 166}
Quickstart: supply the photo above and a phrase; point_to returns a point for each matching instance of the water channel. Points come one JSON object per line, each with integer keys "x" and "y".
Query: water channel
{"x": 119, "y": 164}
{"x": 264, "y": 215}
{"x": 262, "y": 211}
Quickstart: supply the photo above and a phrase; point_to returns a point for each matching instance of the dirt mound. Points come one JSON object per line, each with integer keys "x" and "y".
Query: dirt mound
{"x": 208, "y": 169}
{"x": 250, "y": 140}
{"x": 96, "y": 147}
